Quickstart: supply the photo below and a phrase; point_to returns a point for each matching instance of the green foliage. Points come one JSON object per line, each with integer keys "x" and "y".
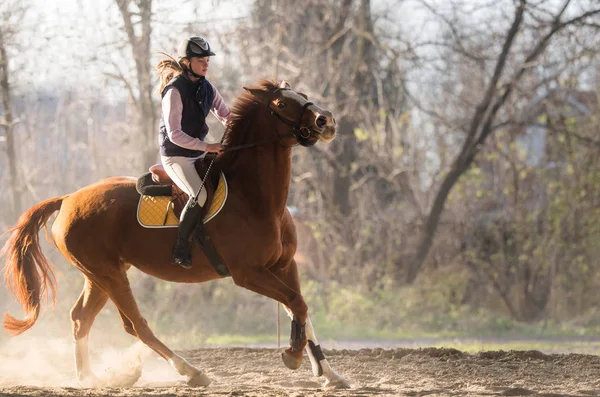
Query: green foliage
{"x": 533, "y": 232}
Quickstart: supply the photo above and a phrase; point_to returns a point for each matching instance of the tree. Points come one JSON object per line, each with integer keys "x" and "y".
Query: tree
{"x": 11, "y": 13}
{"x": 137, "y": 24}
{"x": 332, "y": 51}
{"x": 508, "y": 72}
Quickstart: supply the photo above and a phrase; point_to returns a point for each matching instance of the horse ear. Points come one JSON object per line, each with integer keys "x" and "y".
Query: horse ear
{"x": 259, "y": 94}
{"x": 284, "y": 84}
{"x": 303, "y": 95}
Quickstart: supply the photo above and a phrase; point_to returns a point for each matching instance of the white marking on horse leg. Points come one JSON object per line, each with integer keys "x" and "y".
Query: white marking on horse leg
{"x": 310, "y": 335}
{"x": 82, "y": 360}
{"x": 334, "y": 380}
{"x": 181, "y": 365}
{"x": 195, "y": 377}
{"x": 82, "y": 363}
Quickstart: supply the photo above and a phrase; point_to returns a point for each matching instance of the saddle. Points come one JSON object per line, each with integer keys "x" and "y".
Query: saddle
{"x": 160, "y": 196}
{"x": 158, "y": 183}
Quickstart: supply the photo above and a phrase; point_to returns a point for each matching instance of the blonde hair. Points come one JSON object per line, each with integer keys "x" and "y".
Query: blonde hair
{"x": 167, "y": 69}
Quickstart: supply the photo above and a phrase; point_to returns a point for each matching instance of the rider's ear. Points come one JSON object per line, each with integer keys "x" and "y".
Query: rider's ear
{"x": 260, "y": 95}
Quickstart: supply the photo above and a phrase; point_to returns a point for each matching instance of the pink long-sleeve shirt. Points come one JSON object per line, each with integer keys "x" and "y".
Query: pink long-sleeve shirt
{"x": 172, "y": 110}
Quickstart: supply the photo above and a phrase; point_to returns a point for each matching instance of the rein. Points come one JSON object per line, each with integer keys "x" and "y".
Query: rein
{"x": 300, "y": 132}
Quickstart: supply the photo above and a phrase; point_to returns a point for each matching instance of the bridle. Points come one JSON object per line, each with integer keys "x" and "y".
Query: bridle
{"x": 300, "y": 132}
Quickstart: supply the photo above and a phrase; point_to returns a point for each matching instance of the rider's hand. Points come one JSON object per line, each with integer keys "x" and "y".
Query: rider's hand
{"x": 214, "y": 148}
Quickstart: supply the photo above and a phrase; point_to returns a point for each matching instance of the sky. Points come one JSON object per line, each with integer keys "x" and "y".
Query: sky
{"x": 75, "y": 41}
{"x": 69, "y": 37}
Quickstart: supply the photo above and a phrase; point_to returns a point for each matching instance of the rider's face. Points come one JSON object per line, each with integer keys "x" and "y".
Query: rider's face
{"x": 200, "y": 65}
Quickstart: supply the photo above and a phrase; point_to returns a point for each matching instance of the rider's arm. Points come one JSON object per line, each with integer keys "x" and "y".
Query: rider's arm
{"x": 219, "y": 108}
{"x": 172, "y": 109}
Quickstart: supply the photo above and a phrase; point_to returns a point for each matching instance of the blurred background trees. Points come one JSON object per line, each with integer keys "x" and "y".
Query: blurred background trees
{"x": 11, "y": 14}
{"x": 460, "y": 196}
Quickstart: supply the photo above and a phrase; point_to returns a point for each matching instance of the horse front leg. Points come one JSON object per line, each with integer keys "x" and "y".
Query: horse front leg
{"x": 287, "y": 271}
{"x": 264, "y": 282}
{"x": 320, "y": 365}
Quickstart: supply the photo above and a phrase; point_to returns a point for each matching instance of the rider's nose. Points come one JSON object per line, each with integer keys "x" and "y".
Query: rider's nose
{"x": 321, "y": 121}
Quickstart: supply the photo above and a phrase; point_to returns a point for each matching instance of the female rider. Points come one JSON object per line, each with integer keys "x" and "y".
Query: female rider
{"x": 187, "y": 98}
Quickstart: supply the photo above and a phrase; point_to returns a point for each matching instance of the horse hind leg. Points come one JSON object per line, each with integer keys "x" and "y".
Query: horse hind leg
{"x": 127, "y": 325}
{"x": 120, "y": 293}
{"x": 83, "y": 313}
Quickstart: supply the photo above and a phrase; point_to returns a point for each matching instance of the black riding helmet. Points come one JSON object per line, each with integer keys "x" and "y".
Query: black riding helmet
{"x": 194, "y": 46}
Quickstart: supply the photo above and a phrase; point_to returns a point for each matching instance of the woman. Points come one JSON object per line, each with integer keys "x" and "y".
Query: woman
{"x": 187, "y": 98}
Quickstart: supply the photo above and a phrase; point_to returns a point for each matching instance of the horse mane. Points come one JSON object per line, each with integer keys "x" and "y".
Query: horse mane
{"x": 241, "y": 110}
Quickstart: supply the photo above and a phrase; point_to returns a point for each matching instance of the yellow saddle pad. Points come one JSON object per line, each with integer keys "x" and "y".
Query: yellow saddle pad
{"x": 157, "y": 211}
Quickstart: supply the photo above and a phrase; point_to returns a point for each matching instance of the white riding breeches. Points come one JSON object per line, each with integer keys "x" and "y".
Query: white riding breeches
{"x": 183, "y": 172}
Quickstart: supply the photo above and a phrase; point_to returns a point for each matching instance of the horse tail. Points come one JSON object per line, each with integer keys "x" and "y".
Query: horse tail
{"x": 27, "y": 272}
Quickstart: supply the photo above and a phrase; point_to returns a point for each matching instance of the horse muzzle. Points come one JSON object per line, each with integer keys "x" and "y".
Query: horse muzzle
{"x": 325, "y": 127}
{"x": 327, "y": 135}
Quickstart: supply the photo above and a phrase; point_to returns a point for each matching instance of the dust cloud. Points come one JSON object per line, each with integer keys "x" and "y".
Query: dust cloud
{"x": 49, "y": 362}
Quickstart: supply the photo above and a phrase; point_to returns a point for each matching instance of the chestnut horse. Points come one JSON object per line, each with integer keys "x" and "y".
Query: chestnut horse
{"x": 97, "y": 230}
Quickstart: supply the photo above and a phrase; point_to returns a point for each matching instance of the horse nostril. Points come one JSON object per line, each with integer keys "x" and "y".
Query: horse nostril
{"x": 321, "y": 121}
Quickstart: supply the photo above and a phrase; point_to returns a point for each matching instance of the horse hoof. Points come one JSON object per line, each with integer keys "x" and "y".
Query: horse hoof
{"x": 90, "y": 381}
{"x": 290, "y": 360}
{"x": 336, "y": 383}
{"x": 198, "y": 380}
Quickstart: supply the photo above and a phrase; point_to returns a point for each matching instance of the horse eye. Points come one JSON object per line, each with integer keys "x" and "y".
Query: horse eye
{"x": 280, "y": 105}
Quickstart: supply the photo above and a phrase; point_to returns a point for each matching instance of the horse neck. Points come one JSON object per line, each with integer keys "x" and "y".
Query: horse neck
{"x": 263, "y": 172}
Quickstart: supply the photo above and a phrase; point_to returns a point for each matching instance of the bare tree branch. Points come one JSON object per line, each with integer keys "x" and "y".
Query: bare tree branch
{"x": 481, "y": 125}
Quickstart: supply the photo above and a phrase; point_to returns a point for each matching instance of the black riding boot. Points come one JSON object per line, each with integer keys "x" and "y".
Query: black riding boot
{"x": 182, "y": 254}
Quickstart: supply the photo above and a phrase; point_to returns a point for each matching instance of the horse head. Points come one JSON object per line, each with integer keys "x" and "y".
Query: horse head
{"x": 307, "y": 122}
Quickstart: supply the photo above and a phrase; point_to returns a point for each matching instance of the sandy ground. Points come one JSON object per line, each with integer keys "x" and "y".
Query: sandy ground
{"x": 371, "y": 372}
